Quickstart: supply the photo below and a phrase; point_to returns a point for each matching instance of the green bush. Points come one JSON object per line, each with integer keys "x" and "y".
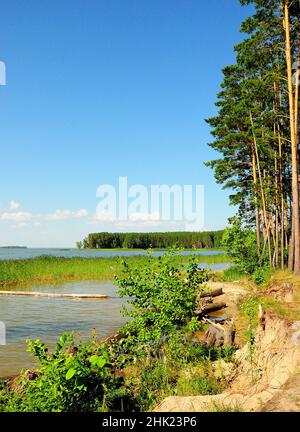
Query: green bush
{"x": 260, "y": 276}
{"x": 72, "y": 378}
{"x": 240, "y": 244}
{"x": 162, "y": 297}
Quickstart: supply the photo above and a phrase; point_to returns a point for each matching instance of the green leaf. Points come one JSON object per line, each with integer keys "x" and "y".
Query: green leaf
{"x": 71, "y": 372}
{"x": 101, "y": 362}
{"x": 95, "y": 360}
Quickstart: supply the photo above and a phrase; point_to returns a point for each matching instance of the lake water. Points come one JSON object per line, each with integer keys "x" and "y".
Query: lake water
{"x": 20, "y": 253}
{"x": 47, "y": 318}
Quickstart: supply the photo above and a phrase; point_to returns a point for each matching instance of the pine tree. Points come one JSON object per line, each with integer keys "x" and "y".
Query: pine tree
{"x": 256, "y": 129}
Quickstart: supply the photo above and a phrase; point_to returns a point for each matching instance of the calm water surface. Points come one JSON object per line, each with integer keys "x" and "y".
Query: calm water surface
{"x": 20, "y": 253}
{"x": 46, "y": 319}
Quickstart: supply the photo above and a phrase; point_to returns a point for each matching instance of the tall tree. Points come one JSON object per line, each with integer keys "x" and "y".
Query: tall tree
{"x": 256, "y": 128}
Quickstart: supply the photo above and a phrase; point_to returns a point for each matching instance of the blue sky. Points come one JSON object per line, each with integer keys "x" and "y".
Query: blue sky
{"x": 100, "y": 89}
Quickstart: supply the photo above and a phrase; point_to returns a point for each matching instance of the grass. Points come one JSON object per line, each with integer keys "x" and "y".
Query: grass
{"x": 287, "y": 310}
{"x": 248, "y": 304}
{"x": 197, "y": 383}
{"x": 54, "y": 269}
{"x": 156, "y": 381}
{"x": 231, "y": 274}
{"x": 223, "y": 407}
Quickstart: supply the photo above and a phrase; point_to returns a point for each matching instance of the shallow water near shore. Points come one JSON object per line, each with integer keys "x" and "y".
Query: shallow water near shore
{"x": 47, "y": 318}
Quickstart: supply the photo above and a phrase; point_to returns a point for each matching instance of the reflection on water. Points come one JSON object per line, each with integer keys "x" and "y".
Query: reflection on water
{"x": 46, "y": 318}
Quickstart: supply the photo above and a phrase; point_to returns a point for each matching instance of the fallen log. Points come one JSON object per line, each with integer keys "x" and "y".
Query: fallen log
{"x": 54, "y": 295}
{"x": 214, "y": 293}
{"x": 208, "y": 308}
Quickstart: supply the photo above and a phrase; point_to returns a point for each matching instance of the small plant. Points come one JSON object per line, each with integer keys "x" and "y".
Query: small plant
{"x": 250, "y": 310}
{"x": 155, "y": 385}
{"x": 258, "y": 276}
{"x": 223, "y": 407}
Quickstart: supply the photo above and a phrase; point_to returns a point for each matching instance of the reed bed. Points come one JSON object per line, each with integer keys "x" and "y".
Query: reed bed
{"x": 53, "y": 269}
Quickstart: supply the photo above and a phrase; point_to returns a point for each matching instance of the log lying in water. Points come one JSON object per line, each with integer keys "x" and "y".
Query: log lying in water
{"x": 208, "y": 308}
{"x": 214, "y": 293}
{"x": 54, "y": 295}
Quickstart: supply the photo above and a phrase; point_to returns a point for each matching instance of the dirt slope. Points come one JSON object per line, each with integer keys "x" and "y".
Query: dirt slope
{"x": 269, "y": 382}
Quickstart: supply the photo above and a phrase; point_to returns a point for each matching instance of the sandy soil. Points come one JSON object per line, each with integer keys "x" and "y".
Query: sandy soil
{"x": 268, "y": 382}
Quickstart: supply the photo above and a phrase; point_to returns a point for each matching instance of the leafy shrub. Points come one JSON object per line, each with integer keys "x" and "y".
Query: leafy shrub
{"x": 240, "y": 244}
{"x": 259, "y": 276}
{"x": 162, "y": 297}
{"x": 72, "y": 378}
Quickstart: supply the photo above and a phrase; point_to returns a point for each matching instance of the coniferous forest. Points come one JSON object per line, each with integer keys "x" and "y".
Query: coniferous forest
{"x": 256, "y": 130}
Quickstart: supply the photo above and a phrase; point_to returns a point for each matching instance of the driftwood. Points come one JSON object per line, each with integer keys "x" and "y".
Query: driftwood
{"x": 207, "y": 308}
{"x": 221, "y": 335}
{"x": 54, "y": 295}
{"x": 214, "y": 293}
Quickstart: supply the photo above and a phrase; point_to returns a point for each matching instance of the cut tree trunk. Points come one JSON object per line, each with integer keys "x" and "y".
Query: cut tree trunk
{"x": 214, "y": 293}
{"x": 208, "y": 308}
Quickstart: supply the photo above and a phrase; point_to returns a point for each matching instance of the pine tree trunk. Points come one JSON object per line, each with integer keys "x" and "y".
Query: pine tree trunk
{"x": 295, "y": 241}
{"x": 265, "y": 215}
{"x": 257, "y": 221}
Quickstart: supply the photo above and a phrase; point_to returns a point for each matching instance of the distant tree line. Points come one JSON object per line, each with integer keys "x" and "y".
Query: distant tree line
{"x": 209, "y": 239}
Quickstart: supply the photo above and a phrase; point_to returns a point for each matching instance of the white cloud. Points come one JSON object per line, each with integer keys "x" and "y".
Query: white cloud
{"x": 14, "y": 205}
{"x": 81, "y": 213}
{"x": 67, "y": 214}
{"x": 104, "y": 216}
{"x": 16, "y": 216}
